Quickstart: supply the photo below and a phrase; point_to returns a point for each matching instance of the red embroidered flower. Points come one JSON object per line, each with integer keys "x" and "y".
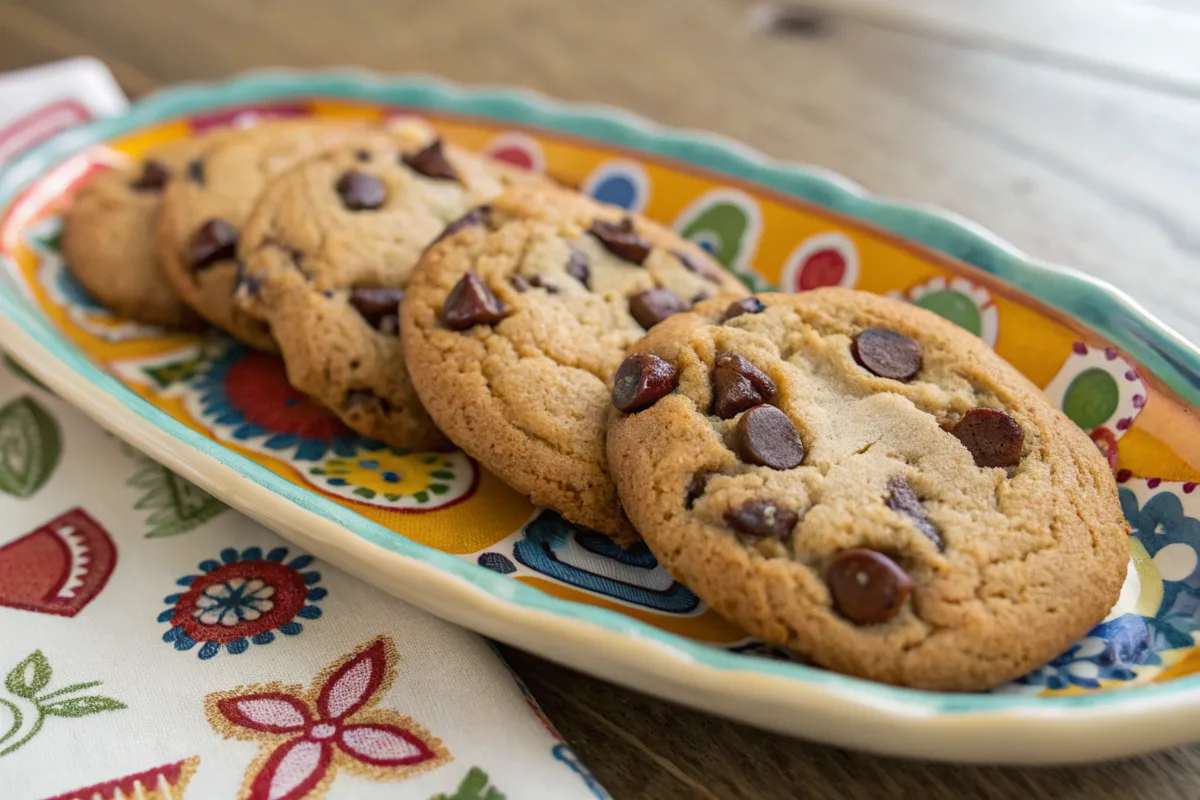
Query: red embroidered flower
{"x": 307, "y": 736}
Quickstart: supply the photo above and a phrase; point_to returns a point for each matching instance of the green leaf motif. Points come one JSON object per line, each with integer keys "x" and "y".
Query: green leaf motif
{"x": 474, "y": 786}
{"x": 176, "y": 505}
{"x": 30, "y": 676}
{"x": 82, "y": 706}
{"x": 30, "y": 446}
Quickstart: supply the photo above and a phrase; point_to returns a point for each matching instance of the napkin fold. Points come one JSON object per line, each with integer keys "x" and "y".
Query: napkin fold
{"x": 157, "y": 644}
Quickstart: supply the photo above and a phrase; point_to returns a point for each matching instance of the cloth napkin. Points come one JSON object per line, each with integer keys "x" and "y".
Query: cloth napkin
{"x": 156, "y": 644}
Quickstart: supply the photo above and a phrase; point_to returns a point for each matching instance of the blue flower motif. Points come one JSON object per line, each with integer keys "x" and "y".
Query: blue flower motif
{"x": 1113, "y": 648}
{"x": 243, "y": 598}
{"x": 249, "y": 392}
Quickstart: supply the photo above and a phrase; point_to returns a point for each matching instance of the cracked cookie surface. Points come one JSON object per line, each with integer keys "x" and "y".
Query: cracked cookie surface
{"x": 868, "y": 484}
{"x": 515, "y": 321}
{"x": 108, "y": 237}
{"x": 205, "y": 207}
{"x": 327, "y": 254}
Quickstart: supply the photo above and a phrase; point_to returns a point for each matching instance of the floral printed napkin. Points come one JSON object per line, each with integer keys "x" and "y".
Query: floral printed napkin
{"x": 156, "y": 644}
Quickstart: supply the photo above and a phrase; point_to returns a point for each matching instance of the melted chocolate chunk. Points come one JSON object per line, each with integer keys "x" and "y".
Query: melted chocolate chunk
{"x": 578, "y": 267}
{"x": 738, "y": 385}
{"x": 888, "y": 354}
{"x": 215, "y": 240}
{"x": 621, "y": 239}
{"x": 993, "y": 438}
{"x": 654, "y": 305}
{"x": 154, "y": 177}
{"x": 471, "y": 302}
{"x": 642, "y": 380}
{"x": 762, "y": 519}
{"x": 747, "y": 305}
{"x": 867, "y": 587}
{"x": 431, "y": 162}
{"x": 766, "y": 436}
{"x": 361, "y": 191}
{"x": 902, "y": 498}
{"x": 376, "y": 304}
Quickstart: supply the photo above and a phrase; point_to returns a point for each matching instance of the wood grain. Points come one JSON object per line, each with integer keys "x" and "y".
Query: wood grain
{"x": 1073, "y": 164}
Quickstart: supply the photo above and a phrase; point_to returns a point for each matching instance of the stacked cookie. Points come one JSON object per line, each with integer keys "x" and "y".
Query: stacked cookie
{"x": 841, "y": 474}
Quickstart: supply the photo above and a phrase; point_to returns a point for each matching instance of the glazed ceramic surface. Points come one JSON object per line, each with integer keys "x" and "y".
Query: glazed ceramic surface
{"x": 439, "y": 531}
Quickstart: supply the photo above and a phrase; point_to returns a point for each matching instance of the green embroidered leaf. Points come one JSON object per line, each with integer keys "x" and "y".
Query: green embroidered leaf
{"x": 176, "y": 505}
{"x": 23, "y": 373}
{"x": 474, "y": 786}
{"x": 30, "y": 446}
{"x": 82, "y": 706}
{"x": 30, "y": 676}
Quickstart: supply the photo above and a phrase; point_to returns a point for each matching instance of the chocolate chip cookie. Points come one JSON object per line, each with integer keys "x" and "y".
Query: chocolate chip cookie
{"x": 326, "y": 256}
{"x": 514, "y": 322}
{"x": 203, "y": 211}
{"x": 108, "y": 237}
{"x": 866, "y": 483}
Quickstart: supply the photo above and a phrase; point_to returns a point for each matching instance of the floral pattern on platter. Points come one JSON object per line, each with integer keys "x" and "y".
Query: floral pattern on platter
{"x": 727, "y": 223}
{"x": 44, "y": 240}
{"x": 1157, "y": 616}
{"x": 1101, "y": 391}
{"x": 826, "y": 259}
{"x": 618, "y": 182}
{"x": 517, "y": 149}
{"x": 964, "y": 303}
{"x": 306, "y": 737}
{"x": 244, "y": 397}
{"x": 244, "y": 598}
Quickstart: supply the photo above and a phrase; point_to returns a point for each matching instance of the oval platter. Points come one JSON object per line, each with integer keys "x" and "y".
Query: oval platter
{"x": 438, "y": 531}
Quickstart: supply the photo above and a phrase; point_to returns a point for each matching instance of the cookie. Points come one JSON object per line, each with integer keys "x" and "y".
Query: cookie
{"x": 326, "y": 256}
{"x": 868, "y": 484}
{"x": 203, "y": 211}
{"x": 514, "y": 322}
{"x": 108, "y": 237}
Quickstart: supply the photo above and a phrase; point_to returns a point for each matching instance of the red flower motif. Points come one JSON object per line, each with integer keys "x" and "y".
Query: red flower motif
{"x": 308, "y": 736}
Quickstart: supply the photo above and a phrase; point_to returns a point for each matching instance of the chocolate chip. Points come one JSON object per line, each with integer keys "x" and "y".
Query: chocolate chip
{"x": 471, "y": 302}
{"x": 476, "y": 216}
{"x": 700, "y": 296}
{"x": 519, "y": 283}
{"x": 888, "y": 354}
{"x": 250, "y": 285}
{"x": 578, "y": 268}
{"x": 762, "y": 519}
{"x": 695, "y": 488}
{"x": 363, "y": 155}
{"x": 765, "y": 436}
{"x": 699, "y": 266}
{"x": 215, "y": 240}
{"x": 620, "y": 239}
{"x": 867, "y": 586}
{"x": 992, "y": 437}
{"x": 195, "y": 171}
{"x": 431, "y": 162}
{"x": 154, "y": 177}
{"x": 360, "y": 191}
{"x": 654, "y": 305}
{"x": 357, "y": 399}
{"x": 642, "y": 380}
{"x": 541, "y": 283}
{"x": 738, "y": 385}
{"x": 902, "y": 498}
{"x": 375, "y": 304}
{"x": 747, "y": 305}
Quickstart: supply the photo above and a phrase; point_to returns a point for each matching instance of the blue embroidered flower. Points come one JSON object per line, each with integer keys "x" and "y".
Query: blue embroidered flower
{"x": 242, "y": 599}
{"x": 249, "y": 392}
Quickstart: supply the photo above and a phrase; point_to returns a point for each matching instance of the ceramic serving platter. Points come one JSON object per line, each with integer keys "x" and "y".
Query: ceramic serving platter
{"x": 438, "y": 531}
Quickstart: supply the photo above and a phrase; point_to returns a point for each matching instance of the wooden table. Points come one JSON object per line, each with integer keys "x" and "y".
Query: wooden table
{"x": 1082, "y": 148}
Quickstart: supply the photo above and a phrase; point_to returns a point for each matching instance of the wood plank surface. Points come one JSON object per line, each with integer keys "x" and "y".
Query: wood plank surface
{"x": 1081, "y": 165}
